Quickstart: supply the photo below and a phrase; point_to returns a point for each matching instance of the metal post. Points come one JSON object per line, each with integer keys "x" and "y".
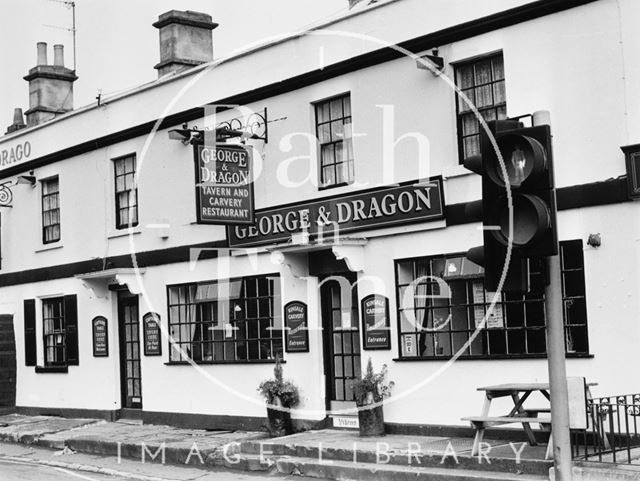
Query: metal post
{"x": 557, "y": 372}
{"x": 554, "y": 313}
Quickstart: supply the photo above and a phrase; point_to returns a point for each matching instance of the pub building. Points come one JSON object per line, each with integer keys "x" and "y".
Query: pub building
{"x": 155, "y": 264}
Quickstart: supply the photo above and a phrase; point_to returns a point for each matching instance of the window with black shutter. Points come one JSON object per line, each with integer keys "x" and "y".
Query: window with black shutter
{"x": 60, "y": 332}
{"x": 30, "y": 350}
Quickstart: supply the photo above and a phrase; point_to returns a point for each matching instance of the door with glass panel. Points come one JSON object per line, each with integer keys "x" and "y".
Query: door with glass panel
{"x": 129, "y": 330}
{"x": 339, "y": 301}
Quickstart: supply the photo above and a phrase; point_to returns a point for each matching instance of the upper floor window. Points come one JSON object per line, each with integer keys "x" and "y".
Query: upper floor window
{"x": 236, "y": 320}
{"x": 50, "y": 210}
{"x": 442, "y": 301}
{"x": 333, "y": 129}
{"x": 126, "y": 192}
{"x": 482, "y": 81}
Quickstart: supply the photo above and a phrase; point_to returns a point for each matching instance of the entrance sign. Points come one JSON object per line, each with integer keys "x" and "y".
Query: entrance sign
{"x": 376, "y": 326}
{"x": 100, "y": 337}
{"x": 151, "y": 328}
{"x": 410, "y": 202}
{"x": 224, "y": 184}
{"x": 296, "y": 327}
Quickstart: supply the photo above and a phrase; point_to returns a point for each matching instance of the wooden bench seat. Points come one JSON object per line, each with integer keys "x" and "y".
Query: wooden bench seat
{"x": 484, "y": 421}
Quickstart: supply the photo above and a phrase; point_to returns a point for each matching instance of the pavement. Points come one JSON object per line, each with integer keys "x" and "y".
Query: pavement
{"x": 105, "y": 447}
{"x": 128, "y": 449}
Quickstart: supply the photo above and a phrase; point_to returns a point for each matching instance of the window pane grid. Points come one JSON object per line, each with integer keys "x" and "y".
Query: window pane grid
{"x": 126, "y": 192}
{"x": 333, "y": 130}
{"x": 50, "y": 211}
{"x": 482, "y": 81}
{"x": 54, "y": 335}
{"x": 432, "y": 326}
{"x": 239, "y": 326}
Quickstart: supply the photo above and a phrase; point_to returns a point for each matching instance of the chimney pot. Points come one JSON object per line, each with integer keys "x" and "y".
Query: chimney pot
{"x": 58, "y": 55}
{"x": 42, "y": 53}
{"x": 18, "y": 121}
{"x": 50, "y": 87}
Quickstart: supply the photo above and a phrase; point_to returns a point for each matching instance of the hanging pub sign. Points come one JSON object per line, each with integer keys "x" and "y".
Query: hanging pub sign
{"x": 100, "y": 337}
{"x": 296, "y": 327}
{"x": 151, "y": 328}
{"x": 328, "y": 217}
{"x": 224, "y": 184}
{"x": 376, "y": 326}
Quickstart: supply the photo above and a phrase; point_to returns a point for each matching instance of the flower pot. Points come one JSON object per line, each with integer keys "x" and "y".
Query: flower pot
{"x": 371, "y": 420}
{"x": 279, "y": 422}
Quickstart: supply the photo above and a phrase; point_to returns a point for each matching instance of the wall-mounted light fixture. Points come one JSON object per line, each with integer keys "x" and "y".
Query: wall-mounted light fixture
{"x": 186, "y": 135}
{"x": 594, "y": 240}
{"x": 433, "y": 63}
{"x": 26, "y": 179}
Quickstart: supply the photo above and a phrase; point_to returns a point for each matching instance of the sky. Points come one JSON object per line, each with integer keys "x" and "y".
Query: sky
{"x": 116, "y": 45}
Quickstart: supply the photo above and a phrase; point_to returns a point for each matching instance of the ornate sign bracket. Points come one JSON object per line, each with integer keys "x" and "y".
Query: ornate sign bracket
{"x": 6, "y": 196}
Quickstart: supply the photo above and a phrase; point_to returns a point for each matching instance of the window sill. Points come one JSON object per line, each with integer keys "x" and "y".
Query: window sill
{"x": 123, "y": 232}
{"x": 49, "y": 247}
{"x": 52, "y": 369}
{"x": 251, "y": 361}
{"x": 570, "y": 355}
{"x": 455, "y": 171}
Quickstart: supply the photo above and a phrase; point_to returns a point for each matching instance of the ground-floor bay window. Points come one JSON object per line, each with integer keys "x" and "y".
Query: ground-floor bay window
{"x": 442, "y": 301}
{"x": 235, "y": 320}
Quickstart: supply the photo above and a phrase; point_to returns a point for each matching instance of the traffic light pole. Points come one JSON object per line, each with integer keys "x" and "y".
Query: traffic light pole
{"x": 557, "y": 372}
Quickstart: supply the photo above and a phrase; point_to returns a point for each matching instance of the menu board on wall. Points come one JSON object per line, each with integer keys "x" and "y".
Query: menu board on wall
{"x": 296, "y": 328}
{"x": 482, "y": 300}
{"x": 375, "y": 322}
{"x": 152, "y": 335}
{"x": 100, "y": 336}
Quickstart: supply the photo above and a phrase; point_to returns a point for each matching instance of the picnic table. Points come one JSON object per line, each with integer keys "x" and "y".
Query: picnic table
{"x": 519, "y": 393}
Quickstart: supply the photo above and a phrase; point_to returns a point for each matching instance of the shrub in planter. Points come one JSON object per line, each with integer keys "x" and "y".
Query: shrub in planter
{"x": 370, "y": 390}
{"x": 281, "y": 396}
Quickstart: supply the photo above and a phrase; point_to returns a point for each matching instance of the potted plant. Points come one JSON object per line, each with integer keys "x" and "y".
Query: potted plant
{"x": 281, "y": 397}
{"x": 369, "y": 392}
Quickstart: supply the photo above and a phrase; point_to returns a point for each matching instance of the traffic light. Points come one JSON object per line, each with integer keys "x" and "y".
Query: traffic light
{"x": 527, "y": 167}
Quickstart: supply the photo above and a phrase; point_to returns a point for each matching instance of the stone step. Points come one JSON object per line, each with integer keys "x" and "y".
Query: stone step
{"x": 275, "y": 448}
{"x": 348, "y": 470}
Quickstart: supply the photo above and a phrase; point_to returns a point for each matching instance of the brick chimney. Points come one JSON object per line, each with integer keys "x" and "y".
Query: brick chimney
{"x": 185, "y": 40}
{"x": 18, "y": 121}
{"x": 50, "y": 87}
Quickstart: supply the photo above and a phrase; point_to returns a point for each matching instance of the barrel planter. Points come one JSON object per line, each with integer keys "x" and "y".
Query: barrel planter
{"x": 371, "y": 419}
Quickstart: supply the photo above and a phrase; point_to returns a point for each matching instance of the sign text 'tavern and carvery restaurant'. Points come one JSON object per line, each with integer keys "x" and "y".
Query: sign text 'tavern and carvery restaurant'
{"x": 406, "y": 203}
{"x": 224, "y": 186}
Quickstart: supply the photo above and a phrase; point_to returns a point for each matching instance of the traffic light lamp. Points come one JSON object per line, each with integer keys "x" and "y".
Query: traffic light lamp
{"x": 525, "y": 165}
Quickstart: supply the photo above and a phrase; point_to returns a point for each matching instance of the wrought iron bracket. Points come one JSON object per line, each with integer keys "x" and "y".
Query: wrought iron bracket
{"x": 6, "y": 195}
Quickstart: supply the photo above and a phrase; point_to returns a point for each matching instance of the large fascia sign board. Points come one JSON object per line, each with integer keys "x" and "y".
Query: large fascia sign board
{"x": 330, "y": 218}
{"x": 98, "y": 282}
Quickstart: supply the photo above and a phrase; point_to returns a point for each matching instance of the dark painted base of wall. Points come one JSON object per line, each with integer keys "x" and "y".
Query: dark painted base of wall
{"x": 220, "y": 422}
{"x": 507, "y": 434}
{"x": 68, "y": 412}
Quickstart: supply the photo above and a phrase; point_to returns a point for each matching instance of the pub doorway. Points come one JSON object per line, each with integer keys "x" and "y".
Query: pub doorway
{"x": 7, "y": 364}
{"x": 129, "y": 336}
{"x": 341, "y": 339}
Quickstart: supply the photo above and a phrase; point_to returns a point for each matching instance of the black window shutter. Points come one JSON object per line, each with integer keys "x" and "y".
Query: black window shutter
{"x": 30, "y": 352}
{"x": 71, "y": 328}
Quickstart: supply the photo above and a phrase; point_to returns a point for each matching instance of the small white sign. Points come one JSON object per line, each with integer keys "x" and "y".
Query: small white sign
{"x": 350, "y": 422}
{"x": 495, "y": 319}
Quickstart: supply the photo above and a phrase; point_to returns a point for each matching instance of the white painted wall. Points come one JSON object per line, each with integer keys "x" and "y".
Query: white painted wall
{"x": 571, "y": 63}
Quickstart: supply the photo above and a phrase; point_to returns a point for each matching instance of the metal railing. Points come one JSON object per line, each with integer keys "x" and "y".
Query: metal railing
{"x": 612, "y": 434}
